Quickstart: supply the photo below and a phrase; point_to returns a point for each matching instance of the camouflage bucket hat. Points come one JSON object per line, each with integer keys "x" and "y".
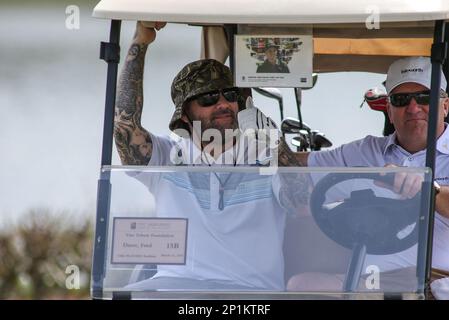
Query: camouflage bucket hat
{"x": 195, "y": 78}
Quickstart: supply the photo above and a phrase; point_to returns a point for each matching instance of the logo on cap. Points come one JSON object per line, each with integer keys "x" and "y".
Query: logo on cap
{"x": 412, "y": 70}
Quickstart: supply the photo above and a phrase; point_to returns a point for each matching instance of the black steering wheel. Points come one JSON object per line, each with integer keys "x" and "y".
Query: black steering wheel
{"x": 364, "y": 218}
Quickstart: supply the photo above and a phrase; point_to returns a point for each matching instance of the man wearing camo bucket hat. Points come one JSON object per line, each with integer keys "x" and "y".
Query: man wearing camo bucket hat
{"x": 209, "y": 111}
{"x": 196, "y": 79}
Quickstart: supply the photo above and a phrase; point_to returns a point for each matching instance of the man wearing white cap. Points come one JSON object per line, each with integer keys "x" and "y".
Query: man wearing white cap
{"x": 408, "y": 88}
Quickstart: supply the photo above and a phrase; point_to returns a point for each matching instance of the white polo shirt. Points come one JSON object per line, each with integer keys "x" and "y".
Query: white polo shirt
{"x": 379, "y": 151}
{"x": 240, "y": 243}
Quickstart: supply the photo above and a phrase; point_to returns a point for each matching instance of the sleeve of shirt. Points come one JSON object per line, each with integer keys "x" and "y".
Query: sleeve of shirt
{"x": 359, "y": 153}
{"x": 337, "y": 157}
{"x": 163, "y": 146}
{"x": 328, "y": 158}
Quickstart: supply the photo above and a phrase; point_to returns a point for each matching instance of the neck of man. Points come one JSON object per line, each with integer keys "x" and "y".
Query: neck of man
{"x": 413, "y": 145}
{"x": 216, "y": 149}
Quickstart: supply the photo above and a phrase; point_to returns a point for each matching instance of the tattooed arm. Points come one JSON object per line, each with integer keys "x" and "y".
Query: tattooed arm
{"x": 288, "y": 158}
{"x": 133, "y": 142}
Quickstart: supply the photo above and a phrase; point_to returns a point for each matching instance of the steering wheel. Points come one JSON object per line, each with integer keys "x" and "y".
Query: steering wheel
{"x": 364, "y": 218}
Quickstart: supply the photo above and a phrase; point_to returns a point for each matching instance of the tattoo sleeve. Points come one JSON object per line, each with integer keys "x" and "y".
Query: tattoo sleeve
{"x": 286, "y": 157}
{"x": 133, "y": 142}
{"x": 295, "y": 188}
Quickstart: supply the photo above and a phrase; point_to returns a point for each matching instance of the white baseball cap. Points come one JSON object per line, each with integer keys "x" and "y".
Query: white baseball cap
{"x": 413, "y": 69}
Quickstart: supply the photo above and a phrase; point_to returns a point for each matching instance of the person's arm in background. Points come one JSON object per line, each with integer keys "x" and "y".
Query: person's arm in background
{"x": 133, "y": 142}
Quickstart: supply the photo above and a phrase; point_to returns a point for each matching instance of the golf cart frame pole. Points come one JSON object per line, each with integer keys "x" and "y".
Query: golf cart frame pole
{"x": 298, "y": 98}
{"x": 110, "y": 52}
{"x": 281, "y": 108}
{"x": 446, "y": 62}
{"x": 355, "y": 268}
{"x": 438, "y": 57}
{"x": 231, "y": 30}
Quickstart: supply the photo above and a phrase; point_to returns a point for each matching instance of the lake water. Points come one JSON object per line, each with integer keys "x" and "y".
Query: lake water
{"x": 52, "y": 87}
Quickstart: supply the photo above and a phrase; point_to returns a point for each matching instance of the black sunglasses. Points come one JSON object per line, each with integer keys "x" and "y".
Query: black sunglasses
{"x": 403, "y": 99}
{"x": 210, "y": 98}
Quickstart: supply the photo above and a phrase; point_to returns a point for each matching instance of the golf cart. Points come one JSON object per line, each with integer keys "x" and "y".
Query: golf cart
{"x": 349, "y": 220}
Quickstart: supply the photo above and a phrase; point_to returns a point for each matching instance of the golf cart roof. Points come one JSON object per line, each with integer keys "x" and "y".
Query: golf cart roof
{"x": 271, "y": 12}
{"x": 342, "y": 41}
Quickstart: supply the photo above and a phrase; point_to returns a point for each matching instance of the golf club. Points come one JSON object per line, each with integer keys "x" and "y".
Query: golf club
{"x": 292, "y": 125}
{"x": 300, "y": 142}
{"x": 318, "y": 141}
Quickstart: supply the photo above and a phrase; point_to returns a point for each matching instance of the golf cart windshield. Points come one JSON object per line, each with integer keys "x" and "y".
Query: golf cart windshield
{"x": 366, "y": 241}
{"x": 173, "y": 234}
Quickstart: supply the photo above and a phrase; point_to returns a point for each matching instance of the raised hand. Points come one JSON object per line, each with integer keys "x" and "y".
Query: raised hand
{"x": 146, "y": 31}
